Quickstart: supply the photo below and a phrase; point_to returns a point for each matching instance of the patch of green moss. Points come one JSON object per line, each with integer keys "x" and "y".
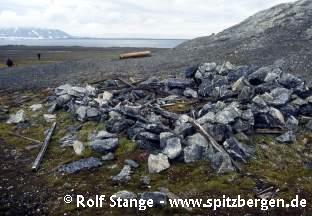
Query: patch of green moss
{"x": 88, "y": 129}
{"x": 126, "y": 147}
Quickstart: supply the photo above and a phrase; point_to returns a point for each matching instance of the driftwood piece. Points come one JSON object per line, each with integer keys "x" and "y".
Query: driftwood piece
{"x": 269, "y": 131}
{"x": 44, "y": 147}
{"x": 213, "y": 142}
{"x": 125, "y": 82}
{"x": 165, "y": 113}
{"x": 135, "y": 55}
{"x": 26, "y": 138}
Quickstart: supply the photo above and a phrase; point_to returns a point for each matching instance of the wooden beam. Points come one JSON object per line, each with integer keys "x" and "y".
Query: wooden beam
{"x": 44, "y": 147}
{"x": 135, "y": 55}
{"x": 26, "y": 138}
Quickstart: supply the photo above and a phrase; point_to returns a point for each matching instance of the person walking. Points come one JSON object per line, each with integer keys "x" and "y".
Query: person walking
{"x": 9, "y": 62}
{"x": 39, "y": 56}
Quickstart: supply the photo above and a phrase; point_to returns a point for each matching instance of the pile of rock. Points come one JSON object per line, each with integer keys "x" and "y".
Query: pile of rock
{"x": 233, "y": 102}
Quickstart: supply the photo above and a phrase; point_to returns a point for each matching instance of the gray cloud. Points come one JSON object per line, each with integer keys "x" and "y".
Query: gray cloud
{"x": 131, "y": 18}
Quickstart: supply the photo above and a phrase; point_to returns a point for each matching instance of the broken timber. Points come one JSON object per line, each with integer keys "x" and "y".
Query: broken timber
{"x": 44, "y": 147}
{"x": 135, "y": 55}
{"x": 213, "y": 142}
{"x": 26, "y": 138}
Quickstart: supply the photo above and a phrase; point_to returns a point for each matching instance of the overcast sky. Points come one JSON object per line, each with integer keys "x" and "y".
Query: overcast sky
{"x": 131, "y": 18}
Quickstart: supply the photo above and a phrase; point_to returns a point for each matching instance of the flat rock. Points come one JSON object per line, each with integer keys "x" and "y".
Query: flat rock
{"x": 78, "y": 147}
{"x": 123, "y": 176}
{"x": 36, "y": 107}
{"x": 49, "y": 118}
{"x": 132, "y": 163}
{"x": 108, "y": 157}
{"x": 158, "y": 163}
{"x": 82, "y": 164}
{"x": 19, "y": 117}
{"x": 105, "y": 146}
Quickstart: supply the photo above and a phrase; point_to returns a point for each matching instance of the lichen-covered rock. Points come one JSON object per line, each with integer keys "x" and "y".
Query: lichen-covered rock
{"x": 287, "y": 138}
{"x": 82, "y": 164}
{"x": 105, "y": 145}
{"x": 158, "y": 163}
{"x": 17, "y": 118}
{"x": 173, "y": 148}
{"x": 123, "y": 176}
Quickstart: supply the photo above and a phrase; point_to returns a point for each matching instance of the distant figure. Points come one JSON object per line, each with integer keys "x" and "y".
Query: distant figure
{"x": 9, "y": 62}
{"x": 39, "y": 56}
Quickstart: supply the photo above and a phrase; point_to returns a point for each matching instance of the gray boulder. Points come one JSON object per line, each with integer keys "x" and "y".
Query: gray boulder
{"x": 81, "y": 113}
{"x": 164, "y": 136}
{"x": 259, "y": 76}
{"x": 193, "y": 153}
{"x": 82, "y": 164}
{"x": 105, "y": 146}
{"x": 105, "y": 135}
{"x": 309, "y": 125}
{"x": 287, "y": 138}
{"x": 132, "y": 163}
{"x": 123, "y": 176}
{"x": 238, "y": 151}
{"x": 280, "y": 96}
{"x": 92, "y": 112}
{"x": 188, "y": 92}
{"x": 158, "y": 163}
{"x": 292, "y": 123}
{"x": 173, "y": 148}
{"x": 197, "y": 139}
{"x": 17, "y": 118}
{"x": 290, "y": 81}
{"x": 108, "y": 157}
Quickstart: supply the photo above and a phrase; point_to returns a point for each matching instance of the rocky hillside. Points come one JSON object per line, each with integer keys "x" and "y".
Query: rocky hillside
{"x": 283, "y": 32}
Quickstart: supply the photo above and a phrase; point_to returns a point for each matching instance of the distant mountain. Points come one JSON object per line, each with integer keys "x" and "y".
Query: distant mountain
{"x": 32, "y": 33}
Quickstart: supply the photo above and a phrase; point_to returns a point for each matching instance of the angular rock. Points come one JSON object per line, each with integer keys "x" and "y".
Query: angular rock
{"x": 92, "y": 112}
{"x": 280, "y": 96}
{"x": 188, "y": 92}
{"x": 145, "y": 180}
{"x": 132, "y": 163}
{"x": 105, "y": 146}
{"x": 164, "y": 136}
{"x": 288, "y": 138}
{"x": 183, "y": 127}
{"x": 193, "y": 153}
{"x": 63, "y": 99}
{"x": 197, "y": 139}
{"x": 78, "y": 147}
{"x": 157, "y": 163}
{"x": 49, "y": 118}
{"x": 228, "y": 114}
{"x": 108, "y": 157}
{"x": 36, "y": 107}
{"x": 105, "y": 135}
{"x": 290, "y": 81}
{"x": 17, "y": 118}
{"x": 238, "y": 151}
{"x": 259, "y": 76}
{"x": 207, "y": 118}
{"x": 173, "y": 148}
{"x": 68, "y": 140}
{"x": 309, "y": 125}
{"x": 123, "y": 176}
{"x": 292, "y": 123}
{"x": 207, "y": 67}
{"x": 81, "y": 113}
{"x": 246, "y": 94}
{"x": 238, "y": 85}
{"x": 82, "y": 164}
